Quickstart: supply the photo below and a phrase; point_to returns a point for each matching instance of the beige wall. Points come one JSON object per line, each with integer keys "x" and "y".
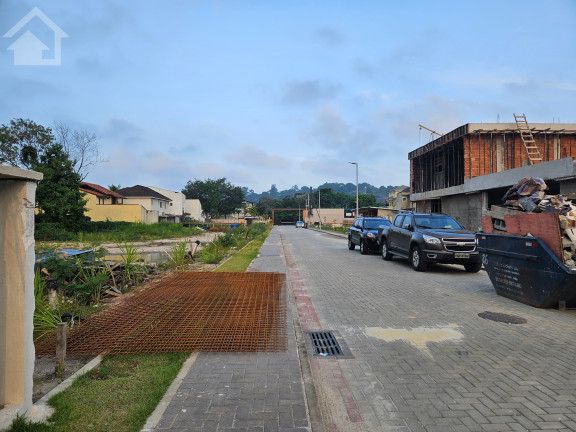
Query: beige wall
{"x": 194, "y": 209}
{"x": 329, "y": 216}
{"x": 17, "y": 195}
{"x": 118, "y": 212}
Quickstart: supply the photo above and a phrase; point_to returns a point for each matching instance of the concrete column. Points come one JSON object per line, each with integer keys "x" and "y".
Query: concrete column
{"x": 500, "y": 148}
{"x": 17, "y": 198}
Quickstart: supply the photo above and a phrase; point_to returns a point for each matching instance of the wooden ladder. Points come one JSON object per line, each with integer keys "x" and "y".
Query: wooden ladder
{"x": 528, "y": 140}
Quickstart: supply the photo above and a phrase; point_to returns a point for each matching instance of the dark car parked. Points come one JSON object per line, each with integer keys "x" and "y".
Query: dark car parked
{"x": 364, "y": 233}
{"x": 429, "y": 238}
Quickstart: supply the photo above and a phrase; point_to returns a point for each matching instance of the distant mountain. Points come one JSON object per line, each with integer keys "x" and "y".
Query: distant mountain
{"x": 381, "y": 193}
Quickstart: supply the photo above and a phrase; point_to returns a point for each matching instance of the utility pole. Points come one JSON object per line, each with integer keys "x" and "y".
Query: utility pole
{"x": 356, "y": 163}
{"x": 319, "y": 218}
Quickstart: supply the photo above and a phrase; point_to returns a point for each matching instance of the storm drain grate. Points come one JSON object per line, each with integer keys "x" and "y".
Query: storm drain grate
{"x": 325, "y": 343}
{"x": 502, "y": 317}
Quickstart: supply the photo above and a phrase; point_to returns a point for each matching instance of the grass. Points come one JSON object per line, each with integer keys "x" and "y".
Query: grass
{"x": 100, "y": 232}
{"x": 240, "y": 261}
{"x": 117, "y": 396}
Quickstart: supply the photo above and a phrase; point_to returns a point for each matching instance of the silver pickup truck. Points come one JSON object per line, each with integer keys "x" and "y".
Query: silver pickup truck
{"x": 429, "y": 238}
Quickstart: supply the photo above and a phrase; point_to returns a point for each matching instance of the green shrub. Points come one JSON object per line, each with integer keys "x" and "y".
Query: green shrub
{"x": 45, "y": 318}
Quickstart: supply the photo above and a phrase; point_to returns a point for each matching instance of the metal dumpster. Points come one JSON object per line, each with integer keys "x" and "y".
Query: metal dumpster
{"x": 524, "y": 269}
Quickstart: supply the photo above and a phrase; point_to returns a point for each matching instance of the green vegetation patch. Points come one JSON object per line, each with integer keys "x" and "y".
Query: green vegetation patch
{"x": 118, "y": 396}
{"x": 241, "y": 260}
{"x": 112, "y": 231}
{"x": 231, "y": 241}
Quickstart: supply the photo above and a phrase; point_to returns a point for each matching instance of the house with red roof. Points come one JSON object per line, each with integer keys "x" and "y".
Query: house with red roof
{"x": 106, "y": 205}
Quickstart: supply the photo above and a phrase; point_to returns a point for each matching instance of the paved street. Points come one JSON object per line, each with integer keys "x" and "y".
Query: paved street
{"x": 473, "y": 375}
{"x": 421, "y": 357}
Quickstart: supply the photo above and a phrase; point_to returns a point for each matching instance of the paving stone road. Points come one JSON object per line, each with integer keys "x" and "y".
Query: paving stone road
{"x": 423, "y": 358}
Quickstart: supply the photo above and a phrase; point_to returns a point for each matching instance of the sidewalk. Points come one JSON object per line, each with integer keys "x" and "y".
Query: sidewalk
{"x": 241, "y": 392}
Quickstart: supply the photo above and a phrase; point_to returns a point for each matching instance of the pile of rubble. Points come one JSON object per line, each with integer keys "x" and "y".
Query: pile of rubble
{"x": 528, "y": 196}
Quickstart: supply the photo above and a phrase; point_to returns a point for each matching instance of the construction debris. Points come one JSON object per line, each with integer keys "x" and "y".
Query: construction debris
{"x": 528, "y": 196}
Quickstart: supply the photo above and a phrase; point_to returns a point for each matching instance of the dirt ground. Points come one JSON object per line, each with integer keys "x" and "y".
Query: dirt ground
{"x": 162, "y": 245}
{"x": 44, "y": 377}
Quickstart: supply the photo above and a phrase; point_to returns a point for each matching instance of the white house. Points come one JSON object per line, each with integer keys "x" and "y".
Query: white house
{"x": 177, "y": 206}
{"x": 149, "y": 199}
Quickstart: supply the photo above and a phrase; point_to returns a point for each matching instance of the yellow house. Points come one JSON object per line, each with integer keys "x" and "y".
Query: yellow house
{"x": 104, "y": 204}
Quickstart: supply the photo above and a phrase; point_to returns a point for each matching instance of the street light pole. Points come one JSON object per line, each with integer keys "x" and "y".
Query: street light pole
{"x": 356, "y": 163}
{"x": 319, "y": 218}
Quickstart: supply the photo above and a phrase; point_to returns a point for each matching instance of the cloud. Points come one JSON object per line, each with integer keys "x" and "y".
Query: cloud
{"x": 330, "y": 36}
{"x": 328, "y": 167}
{"x": 27, "y": 91}
{"x": 364, "y": 67}
{"x": 122, "y": 131}
{"x": 401, "y": 120}
{"x": 254, "y": 156}
{"x": 308, "y": 92}
{"x": 130, "y": 167}
{"x": 332, "y": 131}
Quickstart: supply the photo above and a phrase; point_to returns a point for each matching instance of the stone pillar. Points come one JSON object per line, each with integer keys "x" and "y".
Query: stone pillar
{"x": 17, "y": 199}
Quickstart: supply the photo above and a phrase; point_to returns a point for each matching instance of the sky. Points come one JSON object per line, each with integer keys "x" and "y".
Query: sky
{"x": 288, "y": 93}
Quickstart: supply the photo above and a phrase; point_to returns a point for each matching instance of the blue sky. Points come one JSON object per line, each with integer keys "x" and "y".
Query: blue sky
{"x": 286, "y": 92}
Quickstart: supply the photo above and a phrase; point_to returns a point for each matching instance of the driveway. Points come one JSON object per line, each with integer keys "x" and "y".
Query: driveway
{"x": 422, "y": 359}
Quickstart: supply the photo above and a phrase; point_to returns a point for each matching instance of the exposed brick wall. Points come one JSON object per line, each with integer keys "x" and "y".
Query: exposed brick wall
{"x": 487, "y": 225}
{"x": 545, "y": 226}
{"x": 480, "y": 151}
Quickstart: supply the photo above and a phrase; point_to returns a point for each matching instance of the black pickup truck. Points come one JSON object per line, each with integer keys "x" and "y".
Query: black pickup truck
{"x": 429, "y": 238}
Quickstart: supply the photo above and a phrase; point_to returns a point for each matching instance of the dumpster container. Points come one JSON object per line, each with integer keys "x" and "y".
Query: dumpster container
{"x": 525, "y": 269}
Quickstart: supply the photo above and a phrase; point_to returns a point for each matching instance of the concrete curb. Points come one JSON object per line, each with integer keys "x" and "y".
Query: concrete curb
{"x": 154, "y": 418}
{"x": 329, "y": 232}
{"x": 41, "y": 411}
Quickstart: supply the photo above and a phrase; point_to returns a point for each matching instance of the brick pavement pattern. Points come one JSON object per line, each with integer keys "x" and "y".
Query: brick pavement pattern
{"x": 241, "y": 392}
{"x": 423, "y": 358}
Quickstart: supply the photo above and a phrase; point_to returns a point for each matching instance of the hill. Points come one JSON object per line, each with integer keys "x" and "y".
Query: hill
{"x": 381, "y": 193}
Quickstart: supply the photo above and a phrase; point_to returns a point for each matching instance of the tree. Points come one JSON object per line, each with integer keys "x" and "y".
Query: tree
{"x": 218, "y": 197}
{"x": 266, "y": 204}
{"x": 81, "y": 146}
{"x": 58, "y": 196}
{"x": 367, "y": 200}
{"x": 114, "y": 188}
{"x": 22, "y": 142}
{"x": 252, "y": 211}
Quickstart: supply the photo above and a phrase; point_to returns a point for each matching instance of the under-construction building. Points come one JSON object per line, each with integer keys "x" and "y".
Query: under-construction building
{"x": 472, "y": 167}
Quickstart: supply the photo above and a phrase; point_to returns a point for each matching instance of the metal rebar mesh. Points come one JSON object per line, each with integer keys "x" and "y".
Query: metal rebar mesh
{"x": 187, "y": 312}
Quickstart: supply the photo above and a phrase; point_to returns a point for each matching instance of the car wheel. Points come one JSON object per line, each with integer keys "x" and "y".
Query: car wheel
{"x": 386, "y": 255}
{"x": 363, "y": 249}
{"x": 473, "y": 267}
{"x": 417, "y": 260}
{"x": 351, "y": 245}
